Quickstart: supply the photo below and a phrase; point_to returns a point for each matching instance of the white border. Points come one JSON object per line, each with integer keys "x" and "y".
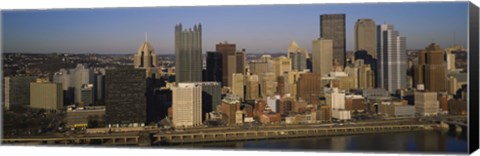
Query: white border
{"x": 73, "y": 151}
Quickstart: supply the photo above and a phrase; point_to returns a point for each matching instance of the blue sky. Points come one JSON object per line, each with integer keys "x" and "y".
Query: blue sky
{"x": 258, "y": 29}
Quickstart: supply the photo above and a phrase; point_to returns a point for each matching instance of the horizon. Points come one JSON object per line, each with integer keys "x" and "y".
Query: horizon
{"x": 97, "y": 30}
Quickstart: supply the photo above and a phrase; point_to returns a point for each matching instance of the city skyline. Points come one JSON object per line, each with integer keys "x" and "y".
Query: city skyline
{"x": 257, "y": 28}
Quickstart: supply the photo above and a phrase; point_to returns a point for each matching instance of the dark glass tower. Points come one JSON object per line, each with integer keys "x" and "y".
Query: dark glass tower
{"x": 332, "y": 26}
{"x": 125, "y": 97}
{"x": 214, "y": 66}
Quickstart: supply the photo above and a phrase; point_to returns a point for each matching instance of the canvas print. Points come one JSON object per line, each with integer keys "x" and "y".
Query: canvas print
{"x": 359, "y": 77}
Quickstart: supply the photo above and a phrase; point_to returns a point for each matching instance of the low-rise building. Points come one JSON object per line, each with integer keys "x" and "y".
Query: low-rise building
{"x": 457, "y": 107}
{"x": 92, "y": 116}
{"x": 399, "y": 108}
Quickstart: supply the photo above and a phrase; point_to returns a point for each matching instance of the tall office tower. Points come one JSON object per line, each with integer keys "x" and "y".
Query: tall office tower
{"x": 187, "y": 105}
{"x": 365, "y": 36}
{"x": 332, "y": 26}
{"x": 268, "y": 84}
{"x": 211, "y": 96}
{"x": 214, "y": 66}
{"x": 281, "y": 65}
{"x": 435, "y": 71}
{"x": 298, "y": 56}
{"x": 17, "y": 91}
{"x": 369, "y": 60}
{"x": 238, "y": 85}
{"x": 240, "y": 61}
{"x": 188, "y": 54}
{"x": 426, "y": 103}
{"x": 226, "y": 49}
{"x": 310, "y": 87}
{"x": 322, "y": 56}
{"x": 46, "y": 95}
{"x": 366, "y": 77}
{"x": 252, "y": 87}
{"x": 125, "y": 97}
{"x": 419, "y": 70}
{"x": 392, "y": 59}
{"x": 230, "y": 105}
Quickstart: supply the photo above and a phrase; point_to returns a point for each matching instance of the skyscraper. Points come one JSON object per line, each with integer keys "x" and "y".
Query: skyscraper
{"x": 332, "y": 26}
{"x": 322, "y": 54}
{"x": 187, "y": 105}
{"x": 240, "y": 61}
{"x": 435, "y": 70}
{"x": 226, "y": 49}
{"x": 214, "y": 66}
{"x": 392, "y": 59}
{"x": 298, "y": 56}
{"x": 125, "y": 97}
{"x": 188, "y": 54}
{"x": 365, "y": 36}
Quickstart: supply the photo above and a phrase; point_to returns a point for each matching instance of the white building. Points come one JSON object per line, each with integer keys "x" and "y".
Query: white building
{"x": 273, "y": 102}
{"x": 426, "y": 103}
{"x": 392, "y": 56}
{"x": 186, "y": 105}
{"x": 336, "y": 99}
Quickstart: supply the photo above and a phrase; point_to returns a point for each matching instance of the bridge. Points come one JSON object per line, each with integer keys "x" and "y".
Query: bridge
{"x": 239, "y": 135}
{"x": 104, "y": 140}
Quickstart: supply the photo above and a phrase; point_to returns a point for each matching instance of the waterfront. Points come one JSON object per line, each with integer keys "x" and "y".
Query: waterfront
{"x": 417, "y": 142}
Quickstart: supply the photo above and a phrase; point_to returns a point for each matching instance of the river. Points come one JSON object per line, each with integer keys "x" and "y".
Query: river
{"x": 399, "y": 142}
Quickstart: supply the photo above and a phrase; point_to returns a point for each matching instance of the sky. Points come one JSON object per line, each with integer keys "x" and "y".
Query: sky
{"x": 257, "y": 28}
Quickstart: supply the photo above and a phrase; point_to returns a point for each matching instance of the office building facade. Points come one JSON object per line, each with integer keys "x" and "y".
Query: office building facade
{"x": 332, "y": 26}
{"x": 188, "y": 54}
{"x": 392, "y": 59}
{"x": 322, "y": 56}
{"x": 125, "y": 97}
{"x": 187, "y": 105}
{"x": 365, "y": 36}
